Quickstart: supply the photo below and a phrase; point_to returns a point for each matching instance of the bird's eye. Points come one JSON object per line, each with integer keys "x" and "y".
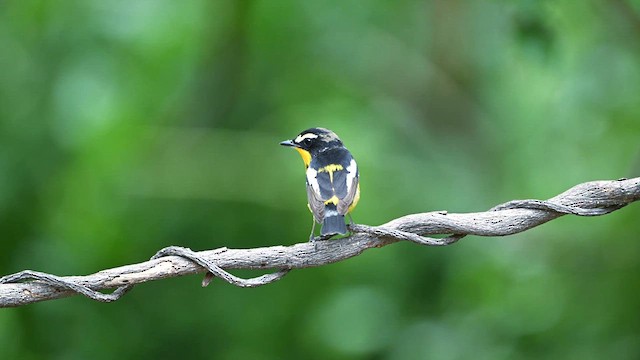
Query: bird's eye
{"x": 307, "y": 141}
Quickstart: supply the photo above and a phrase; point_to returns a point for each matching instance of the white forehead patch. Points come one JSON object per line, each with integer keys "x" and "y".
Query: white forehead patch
{"x": 301, "y": 138}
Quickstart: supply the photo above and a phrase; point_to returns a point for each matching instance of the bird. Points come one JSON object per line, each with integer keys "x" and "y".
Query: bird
{"x": 332, "y": 179}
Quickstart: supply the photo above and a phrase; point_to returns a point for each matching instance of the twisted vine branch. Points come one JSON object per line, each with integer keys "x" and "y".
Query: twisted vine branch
{"x": 587, "y": 199}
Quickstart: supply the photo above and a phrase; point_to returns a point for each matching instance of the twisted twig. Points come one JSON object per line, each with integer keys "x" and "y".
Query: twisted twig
{"x": 214, "y": 270}
{"x": 587, "y": 199}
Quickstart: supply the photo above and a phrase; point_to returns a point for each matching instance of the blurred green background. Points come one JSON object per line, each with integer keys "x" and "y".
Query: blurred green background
{"x": 128, "y": 126}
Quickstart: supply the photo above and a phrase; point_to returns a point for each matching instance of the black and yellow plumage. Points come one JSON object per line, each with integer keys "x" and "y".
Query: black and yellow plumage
{"x": 333, "y": 187}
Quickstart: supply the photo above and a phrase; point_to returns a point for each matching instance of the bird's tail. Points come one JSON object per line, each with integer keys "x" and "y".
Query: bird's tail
{"x": 333, "y": 222}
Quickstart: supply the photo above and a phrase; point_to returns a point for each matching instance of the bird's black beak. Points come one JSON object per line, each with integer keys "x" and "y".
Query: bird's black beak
{"x": 287, "y": 143}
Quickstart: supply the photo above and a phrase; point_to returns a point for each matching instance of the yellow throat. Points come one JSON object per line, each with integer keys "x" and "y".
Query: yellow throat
{"x": 306, "y": 156}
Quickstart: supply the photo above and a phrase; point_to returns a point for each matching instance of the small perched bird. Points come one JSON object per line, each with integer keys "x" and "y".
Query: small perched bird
{"x": 333, "y": 187}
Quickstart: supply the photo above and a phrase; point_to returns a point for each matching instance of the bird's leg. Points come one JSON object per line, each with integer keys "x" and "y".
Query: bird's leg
{"x": 313, "y": 238}
{"x": 351, "y": 223}
{"x": 313, "y": 229}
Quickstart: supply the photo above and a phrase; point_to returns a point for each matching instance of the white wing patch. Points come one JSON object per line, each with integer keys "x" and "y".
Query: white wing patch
{"x": 301, "y": 138}
{"x": 312, "y": 181}
{"x": 352, "y": 170}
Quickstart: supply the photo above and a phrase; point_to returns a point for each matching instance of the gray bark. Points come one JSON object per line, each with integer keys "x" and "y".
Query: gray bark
{"x": 587, "y": 199}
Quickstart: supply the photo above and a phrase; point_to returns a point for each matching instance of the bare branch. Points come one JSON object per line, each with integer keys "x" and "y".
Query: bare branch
{"x": 587, "y": 199}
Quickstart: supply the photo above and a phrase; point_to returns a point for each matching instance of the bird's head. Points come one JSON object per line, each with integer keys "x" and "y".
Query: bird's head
{"x": 313, "y": 141}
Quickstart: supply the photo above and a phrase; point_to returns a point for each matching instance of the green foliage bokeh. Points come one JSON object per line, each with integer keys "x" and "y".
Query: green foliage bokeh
{"x": 126, "y": 127}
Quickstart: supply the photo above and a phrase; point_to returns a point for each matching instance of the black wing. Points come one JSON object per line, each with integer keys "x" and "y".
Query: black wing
{"x": 336, "y": 179}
